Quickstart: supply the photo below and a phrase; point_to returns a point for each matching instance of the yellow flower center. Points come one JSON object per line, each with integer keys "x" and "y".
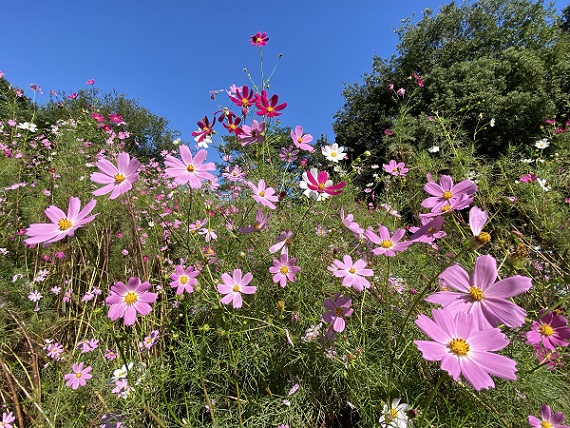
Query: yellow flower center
{"x": 284, "y": 270}
{"x": 445, "y": 208}
{"x": 300, "y": 140}
{"x": 386, "y": 244}
{"x": 447, "y": 195}
{"x": 183, "y": 279}
{"x": 131, "y": 297}
{"x": 244, "y": 102}
{"x": 119, "y": 178}
{"x": 257, "y": 226}
{"x": 333, "y": 154}
{"x": 459, "y": 347}
{"x": 321, "y": 186}
{"x": 262, "y": 193}
{"x": 236, "y": 288}
{"x": 78, "y": 375}
{"x": 483, "y": 238}
{"x": 352, "y": 270}
{"x": 545, "y": 424}
{"x": 64, "y": 224}
{"x": 393, "y": 413}
{"x": 258, "y": 40}
{"x": 476, "y": 293}
{"x": 269, "y": 109}
{"x": 546, "y": 330}
{"x": 339, "y": 312}
{"x": 190, "y": 168}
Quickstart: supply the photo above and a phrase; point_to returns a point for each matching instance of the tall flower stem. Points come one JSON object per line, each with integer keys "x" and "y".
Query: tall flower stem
{"x": 430, "y": 398}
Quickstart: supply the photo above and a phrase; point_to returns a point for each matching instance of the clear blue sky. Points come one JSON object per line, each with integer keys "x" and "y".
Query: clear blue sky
{"x": 169, "y": 55}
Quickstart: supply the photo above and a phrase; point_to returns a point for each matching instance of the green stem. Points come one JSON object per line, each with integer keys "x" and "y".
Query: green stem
{"x": 430, "y": 399}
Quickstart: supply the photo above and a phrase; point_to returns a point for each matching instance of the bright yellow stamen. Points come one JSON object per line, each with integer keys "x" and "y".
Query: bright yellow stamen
{"x": 190, "y": 168}
{"x": 334, "y": 154}
{"x": 269, "y": 109}
{"x": 431, "y": 229}
{"x": 262, "y": 193}
{"x": 352, "y": 270}
{"x": 445, "y": 208}
{"x": 119, "y": 178}
{"x": 545, "y": 424}
{"x": 258, "y": 40}
{"x": 131, "y": 297}
{"x": 386, "y": 244}
{"x": 236, "y": 288}
{"x": 483, "y": 238}
{"x": 447, "y": 195}
{"x": 476, "y": 293}
{"x": 393, "y": 413}
{"x": 321, "y": 186}
{"x": 284, "y": 270}
{"x": 64, "y": 224}
{"x": 183, "y": 279}
{"x": 459, "y": 347}
{"x": 78, "y": 375}
{"x": 546, "y": 330}
{"x": 244, "y": 102}
{"x": 300, "y": 140}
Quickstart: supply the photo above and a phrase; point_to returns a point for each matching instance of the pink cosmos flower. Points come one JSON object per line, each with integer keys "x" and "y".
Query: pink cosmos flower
{"x": 282, "y": 242}
{"x": 206, "y": 129}
{"x": 234, "y": 285}
{"x": 87, "y": 345}
{"x": 289, "y": 154}
{"x": 389, "y": 245}
{"x": 352, "y": 273}
{"x": 446, "y": 193}
{"x": 396, "y": 168}
{"x": 479, "y": 295}
{"x": 550, "y": 330}
{"x": 90, "y": 82}
{"x": 190, "y": 170}
{"x": 477, "y": 220}
{"x": 235, "y": 174}
{"x": 117, "y": 179}
{"x": 464, "y": 349}
{"x": 528, "y": 178}
{"x": 54, "y": 351}
{"x": 244, "y": 98}
{"x": 8, "y": 418}
{"x": 183, "y": 279}
{"x": 284, "y": 269}
{"x": 350, "y": 224}
{"x": 264, "y": 196}
{"x": 79, "y": 377}
{"x": 116, "y": 119}
{"x": 302, "y": 141}
{"x": 339, "y": 309}
{"x": 419, "y": 81}
{"x": 260, "y": 223}
{"x": 269, "y": 107}
{"x": 252, "y": 134}
{"x": 259, "y": 39}
{"x": 547, "y": 419}
{"x": 126, "y": 301}
{"x": 61, "y": 225}
{"x": 429, "y": 231}
{"x": 318, "y": 186}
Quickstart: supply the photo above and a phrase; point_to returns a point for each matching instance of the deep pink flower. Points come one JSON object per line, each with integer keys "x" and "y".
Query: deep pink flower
{"x": 269, "y": 107}
{"x": 126, "y": 301}
{"x": 190, "y": 170}
{"x": 117, "y": 179}
{"x": 464, "y": 349}
{"x": 252, "y": 134}
{"x": 319, "y": 186}
{"x": 233, "y": 286}
{"x": 481, "y": 296}
{"x": 446, "y": 193}
{"x": 244, "y": 98}
{"x": 547, "y": 419}
{"x": 183, "y": 279}
{"x": 61, "y": 225}
{"x": 79, "y": 377}
{"x": 389, "y": 245}
{"x": 72, "y": 96}
{"x": 396, "y": 168}
{"x": 350, "y": 224}
{"x": 233, "y": 122}
{"x": 284, "y": 269}
{"x": 429, "y": 231}
{"x": 259, "y": 39}
{"x": 206, "y": 129}
{"x": 419, "y": 81}
{"x": 116, "y": 119}
{"x": 90, "y": 82}
{"x": 352, "y": 273}
{"x": 550, "y": 330}
{"x": 339, "y": 309}
{"x": 302, "y": 141}
{"x": 264, "y": 196}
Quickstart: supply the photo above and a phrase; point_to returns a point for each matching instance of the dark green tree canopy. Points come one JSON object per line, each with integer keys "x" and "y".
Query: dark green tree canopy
{"x": 502, "y": 59}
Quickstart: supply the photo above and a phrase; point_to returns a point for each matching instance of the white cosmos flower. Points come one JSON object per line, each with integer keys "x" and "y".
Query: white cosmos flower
{"x": 542, "y": 144}
{"x": 433, "y": 149}
{"x": 395, "y": 416}
{"x": 333, "y": 153}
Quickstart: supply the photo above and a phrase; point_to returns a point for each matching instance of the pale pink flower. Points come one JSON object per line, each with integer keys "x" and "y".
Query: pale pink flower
{"x": 547, "y": 419}
{"x": 396, "y": 168}
{"x": 260, "y": 223}
{"x": 352, "y": 273}
{"x": 284, "y": 269}
{"x": 183, "y": 279}
{"x": 117, "y": 179}
{"x": 252, "y": 134}
{"x": 350, "y": 224}
{"x": 126, "y": 301}
{"x": 233, "y": 286}
{"x": 302, "y": 141}
{"x": 190, "y": 170}
{"x": 446, "y": 193}
{"x": 264, "y": 196}
{"x": 79, "y": 377}
{"x": 550, "y": 330}
{"x": 389, "y": 245}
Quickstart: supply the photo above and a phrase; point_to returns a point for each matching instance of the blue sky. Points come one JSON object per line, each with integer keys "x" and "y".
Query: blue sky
{"x": 170, "y": 56}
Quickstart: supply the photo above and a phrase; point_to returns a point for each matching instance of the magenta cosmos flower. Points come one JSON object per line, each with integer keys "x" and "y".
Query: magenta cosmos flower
{"x": 190, "y": 170}
{"x": 61, "y": 225}
{"x": 396, "y": 168}
{"x": 302, "y": 141}
{"x": 269, "y": 107}
{"x": 183, "y": 279}
{"x": 464, "y": 349}
{"x": 259, "y": 39}
{"x": 318, "y": 186}
{"x": 117, "y": 179}
{"x": 263, "y": 195}
{"x": 481, "y": 296}
{"x": 550, "y": 330}
{"x": 126, "y": 301}
{"x": 352, "y": 274}
{"x": 447, "y": 194}
{"x": 547, "y": 419}
{"x": 284, "y": 269}
{"x": 233, "y": 286}
{"x": 339, "y": 309}
{"x": 79, "y": 377}
{"x": 389, "y": 245}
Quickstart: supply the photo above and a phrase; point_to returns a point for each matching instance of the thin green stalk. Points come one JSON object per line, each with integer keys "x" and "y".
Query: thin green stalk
{"x": 430, "y": 399}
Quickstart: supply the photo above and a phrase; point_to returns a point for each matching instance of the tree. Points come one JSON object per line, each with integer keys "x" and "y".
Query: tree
{"x": 493, "y": 59}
